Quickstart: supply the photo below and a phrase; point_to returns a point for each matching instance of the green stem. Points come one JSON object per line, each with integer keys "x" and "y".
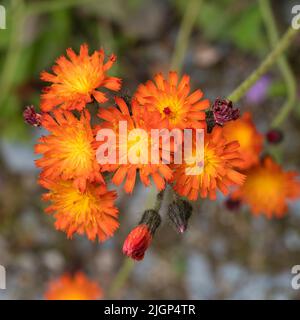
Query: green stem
{"x": 282, "y": 62}
{"x": 121, "y": 277}
{"x": 129, "y": 264}
{"x": 14, "y": 51}
{"x": 159, "y": 200}
{"x": 186, "y": 27}
{"x": 281, "y": 46}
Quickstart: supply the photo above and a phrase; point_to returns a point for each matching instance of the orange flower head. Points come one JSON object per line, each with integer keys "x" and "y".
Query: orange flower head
{"x": 77, "y": 287}
{"x": 68, "y": 150}
{"x": 220, "y": 157}
{"x": 76, "y": 80}
{"x": 137, "y": 242}
{"x": 244, "y": 131}
{"x": 91, "y": 212}
{"x": 171, "y": 104}
{"x": 134, "y": 142}
{"x": 268, "y": 188}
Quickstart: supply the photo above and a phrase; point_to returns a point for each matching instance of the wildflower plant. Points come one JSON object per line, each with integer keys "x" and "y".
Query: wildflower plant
{"x": 81, "y": 154}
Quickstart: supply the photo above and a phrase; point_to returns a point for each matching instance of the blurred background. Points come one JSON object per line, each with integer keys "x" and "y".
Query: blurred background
{"x": 224, "y": 254}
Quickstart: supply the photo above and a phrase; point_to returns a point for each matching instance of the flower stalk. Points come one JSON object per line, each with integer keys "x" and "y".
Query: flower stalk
{"x": 266, "y": 64}
{"x": 282, "y": 63}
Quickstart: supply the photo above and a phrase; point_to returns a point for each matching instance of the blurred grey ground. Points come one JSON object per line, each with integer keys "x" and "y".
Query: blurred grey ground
{"x": 224, "y": 254}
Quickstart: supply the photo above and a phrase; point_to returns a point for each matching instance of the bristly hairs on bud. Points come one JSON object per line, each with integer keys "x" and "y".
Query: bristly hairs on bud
{"x": 151, "y": 219}
{"x": 179, "y": 212}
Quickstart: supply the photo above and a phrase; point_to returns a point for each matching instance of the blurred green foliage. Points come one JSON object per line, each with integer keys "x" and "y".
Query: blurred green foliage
{"x": 233, "y": 21}
{"x": 39, "y": 31}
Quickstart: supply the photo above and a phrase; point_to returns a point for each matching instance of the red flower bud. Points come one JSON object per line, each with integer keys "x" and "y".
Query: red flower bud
{"x": 274, "y": 136}
{"x": 137, "y": 242}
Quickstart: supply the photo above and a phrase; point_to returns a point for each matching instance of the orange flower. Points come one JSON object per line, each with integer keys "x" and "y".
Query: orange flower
{"x": 268, "y": 188}
{"x": 220, "y": 157}
{"x": 68, "y": 151}
{"x": 138, "y": 145}
{"x": 244, "y": 131}
{"x": 172, "y": 103}
{"x": 91, "y": 212}
{"x": 75, "y": 81}
{"x": 77, "y": 287}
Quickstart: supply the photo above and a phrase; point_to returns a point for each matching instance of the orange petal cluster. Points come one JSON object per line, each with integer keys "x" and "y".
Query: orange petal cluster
{"x": 76, "y": 80}
{"x": 160, "y": 173}
{"x": 78, "y": 196}
{"x": 268, "y": 188}
{"x": 91, "y": 212}
{"x": 73, "y": 287}
{"x": 68, "y": 151}
{"x": 220, "y": 158}
{"x": 169, "y": 101}
{"x": 244, "y": 131}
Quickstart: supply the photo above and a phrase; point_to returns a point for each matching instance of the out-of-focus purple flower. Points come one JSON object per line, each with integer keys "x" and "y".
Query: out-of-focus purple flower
{"x": 257, "y": 93}
{"x": 223, "y": 111}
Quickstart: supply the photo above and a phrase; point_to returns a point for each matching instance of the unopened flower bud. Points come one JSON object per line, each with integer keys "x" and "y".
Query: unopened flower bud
{"x": 151, "y": 219}
{"x": 232, "y": 204}
{"x": 274, "y": 136}
{"x": 139, "y": 239}
{"x": 31, "y": 117}
{"x": 223, "y": 111}
{"x": 179, "y": 213}
{"x": 137, "y": 242}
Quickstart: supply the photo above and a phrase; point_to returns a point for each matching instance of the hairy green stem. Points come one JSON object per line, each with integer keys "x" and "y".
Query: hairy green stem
{"x": 186, "y": 27}
{"x": 159, "y": 200}
{"x": 272, "y": 57}
{"x": 121, "y": 277}
{"x": 128, "y": 264}
{"x": 282, "y": 62}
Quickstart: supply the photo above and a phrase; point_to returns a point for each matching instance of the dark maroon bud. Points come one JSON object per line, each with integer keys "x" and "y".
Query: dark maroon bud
{"x": 179, "y": 213}
{"x": 232, "y": 204}
{"x": 31, "y": 117}
{"x": 223, "y": 111}
{"x": 274, "y": 136}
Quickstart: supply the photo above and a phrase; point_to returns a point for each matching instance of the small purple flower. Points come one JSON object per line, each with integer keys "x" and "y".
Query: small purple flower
{"x": 223, "y": 111}
{"x": 31, "y": 117}
{"x": 257, "y": 93}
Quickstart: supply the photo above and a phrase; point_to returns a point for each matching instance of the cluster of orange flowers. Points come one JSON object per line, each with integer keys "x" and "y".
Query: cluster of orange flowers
{"x": 267, "y": 188}
{"x": 77, "y": 183}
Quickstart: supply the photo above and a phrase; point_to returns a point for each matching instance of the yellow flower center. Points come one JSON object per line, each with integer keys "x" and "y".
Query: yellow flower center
{"x": 171, "y": 108}
{"x": 76, "y": 203}
{"x": 271, "y": 184}
{"x": 77, "y": 150}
